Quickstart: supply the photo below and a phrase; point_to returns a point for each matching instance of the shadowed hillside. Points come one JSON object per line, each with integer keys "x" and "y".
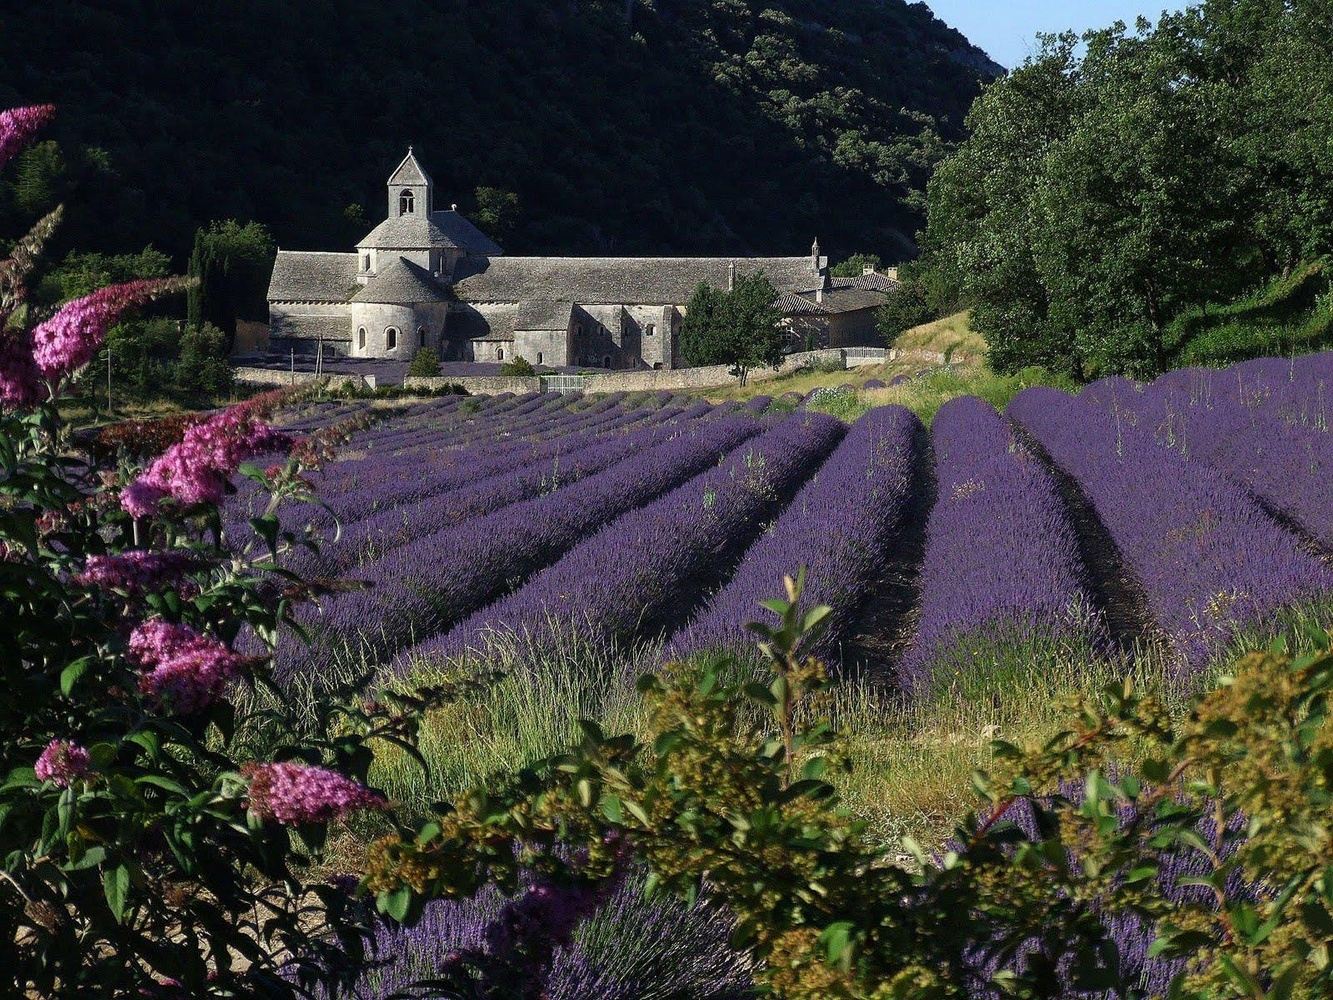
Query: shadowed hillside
{"x": 734, "y": 126}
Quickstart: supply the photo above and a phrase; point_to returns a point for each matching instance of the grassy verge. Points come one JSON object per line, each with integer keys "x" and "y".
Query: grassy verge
{"x": 925, "y": 393}
{"x": 948, "y": 336}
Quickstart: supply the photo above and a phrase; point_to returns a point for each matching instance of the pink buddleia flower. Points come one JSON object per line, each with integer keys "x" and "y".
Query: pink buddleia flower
{"x": 69, "y": 339}
{"x": 135, "y": 571}
{"x": 290, "y": 793}
{"x": 194, "y": 471}
{"x": 185, "y": 671}
{"x": 19, "y": 125}
{"x": 63, "y": 762}
{"x": 142, "y": 499}
{"x": 20, "y": 381}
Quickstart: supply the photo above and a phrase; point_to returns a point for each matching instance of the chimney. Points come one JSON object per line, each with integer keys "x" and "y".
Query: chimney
{"x": 731, "y": 276}
{"x": 814, "y": 257}
{"x": 867, "y": 270}
{"x": 819, "y": 294}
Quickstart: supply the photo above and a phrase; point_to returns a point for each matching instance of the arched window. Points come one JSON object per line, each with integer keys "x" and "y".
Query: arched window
{"x": 405, "y": 201}
{"x": 539, "y": 357}
{"x": 421, "y": 336}
{"x": 361, "y": 338}
{"x": 390, "y": 338}
{"x": 606, "y": 361}
{"x": 499, "y": 354}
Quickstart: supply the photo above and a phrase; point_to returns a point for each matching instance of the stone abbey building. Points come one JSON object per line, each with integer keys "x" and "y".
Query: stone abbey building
{"x": 429, "y": 277}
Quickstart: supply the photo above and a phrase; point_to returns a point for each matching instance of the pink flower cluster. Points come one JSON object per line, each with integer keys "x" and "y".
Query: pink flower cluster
{"x": 135, "y": 571}
{"x": 19, "y": 125}
{"x": 195, "y": 470}
{"x": 70, "y": 338}
{"x": 183, "y": 670}
{"x": 63, "y": 762}
{"x": 20, "y": 381}
{"x": 301, "y": 793}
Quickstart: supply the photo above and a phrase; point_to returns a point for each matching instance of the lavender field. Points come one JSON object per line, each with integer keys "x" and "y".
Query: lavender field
{"x": 981, "y": 570}
{"x": 1172, "y": 517}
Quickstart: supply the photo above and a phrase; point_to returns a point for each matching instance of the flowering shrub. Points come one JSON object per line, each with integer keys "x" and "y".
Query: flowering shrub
{"x": 156, "y": 821}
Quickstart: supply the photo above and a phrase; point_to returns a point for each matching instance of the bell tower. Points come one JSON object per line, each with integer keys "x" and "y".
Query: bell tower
{"x": 411, "y": 191}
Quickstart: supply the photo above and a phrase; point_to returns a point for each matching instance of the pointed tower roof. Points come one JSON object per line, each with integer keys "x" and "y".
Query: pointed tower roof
{"x": 410, "y": 171}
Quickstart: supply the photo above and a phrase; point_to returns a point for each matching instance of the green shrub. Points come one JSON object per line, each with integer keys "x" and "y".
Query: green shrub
{"x": 425, "y": 363}
{"x": 201, "y": 366}
{"x": 519, "y": 366}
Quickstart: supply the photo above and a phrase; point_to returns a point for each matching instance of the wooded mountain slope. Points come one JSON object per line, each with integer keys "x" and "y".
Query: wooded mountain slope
{"x": 657, "y": 126}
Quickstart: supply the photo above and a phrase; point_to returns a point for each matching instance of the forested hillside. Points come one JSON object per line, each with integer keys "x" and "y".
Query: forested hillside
{"x": 647, "y": 126}
{"x": 1147, "y": 197}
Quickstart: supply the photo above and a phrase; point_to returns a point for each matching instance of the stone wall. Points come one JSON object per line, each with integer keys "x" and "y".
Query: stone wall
{"x": 276, "y": 376}
{"x": 705, "y": 378}
{"x": 477, "y": 385}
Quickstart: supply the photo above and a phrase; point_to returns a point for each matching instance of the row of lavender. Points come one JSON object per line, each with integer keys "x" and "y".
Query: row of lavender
{"x": 1213, "y": 485}
{"x": 493, "y": 529}
{"x": 626, "y": 579}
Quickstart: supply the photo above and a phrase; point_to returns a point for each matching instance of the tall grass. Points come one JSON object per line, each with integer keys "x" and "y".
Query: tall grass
{"x": 912, "y": 758}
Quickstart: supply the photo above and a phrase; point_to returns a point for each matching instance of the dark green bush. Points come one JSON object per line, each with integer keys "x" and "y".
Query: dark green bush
{"x": 519, "y": 366}
{"x": 425, "y": 364}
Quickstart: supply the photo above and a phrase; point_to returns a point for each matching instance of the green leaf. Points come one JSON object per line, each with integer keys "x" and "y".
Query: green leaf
{"x": 836, "y": 941}
{"x": 72, "y": 672}
{"x": 116, "y": 885}
{"x": 396, "y": 904}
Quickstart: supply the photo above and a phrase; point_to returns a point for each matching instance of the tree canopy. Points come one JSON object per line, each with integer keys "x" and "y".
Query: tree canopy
{"x": 741, "y": 327}
{"x": 744, "y": 126}
{"x": 1114, "y": 181}
{"x": 233, "y": 263}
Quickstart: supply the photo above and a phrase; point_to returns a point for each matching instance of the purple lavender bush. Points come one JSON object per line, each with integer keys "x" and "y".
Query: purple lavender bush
{"x": 840, "y": 527}
{"x": 1003, "y": 587}
{"x": 631, "y": 947}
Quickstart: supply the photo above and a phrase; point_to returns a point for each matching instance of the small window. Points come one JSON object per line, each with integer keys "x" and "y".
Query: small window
{"x": 390, "y": 338}
{"x": 361, "y": 338}
{"x": 649, "y": 330}
{"x": 405, "y": 202}
{"x": 365, "y": 262}
{"x": 606, "y": 361}
{"x": 499, "y": 354}
{"x": 539, "y": 357}
{"x": 421, "y": 336}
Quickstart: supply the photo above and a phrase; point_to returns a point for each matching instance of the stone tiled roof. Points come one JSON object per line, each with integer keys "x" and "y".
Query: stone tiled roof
{"x": 873, "y": 282}
{"x": 447, "y": 230}
{"x": 844, "y": 300}
{"x": 401, "y": 282}
{"x": 790, "y": 304}
{"x": 327, "y": 328}
{"x": 410, "y": 171}
{"x": 629, "y": 280}
{"x": 312, "y": 276}
{"x": 543, "y": 314}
